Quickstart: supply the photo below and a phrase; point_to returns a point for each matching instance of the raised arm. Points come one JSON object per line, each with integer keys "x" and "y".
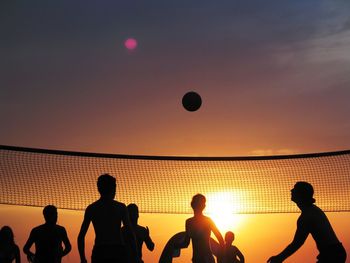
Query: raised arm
{"x": 82, "y": 233}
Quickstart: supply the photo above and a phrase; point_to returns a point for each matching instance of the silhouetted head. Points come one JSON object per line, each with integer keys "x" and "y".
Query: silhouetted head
{"x": 229, "y": 237}
{"x": 198, "y": 202}
{"x": 50, "y": 214}
{"x": 106, "y": 185}
{"x": 6, "y": 235}
{"x": 133, "y": 213}
{"x": 302, "y": 193}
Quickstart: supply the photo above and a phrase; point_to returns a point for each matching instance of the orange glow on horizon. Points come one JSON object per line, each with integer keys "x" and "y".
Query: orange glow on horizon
{"x": 257, "y": 236}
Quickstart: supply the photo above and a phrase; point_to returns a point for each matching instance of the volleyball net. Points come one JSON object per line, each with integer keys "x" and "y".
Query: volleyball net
{"x": 158, "y": 184}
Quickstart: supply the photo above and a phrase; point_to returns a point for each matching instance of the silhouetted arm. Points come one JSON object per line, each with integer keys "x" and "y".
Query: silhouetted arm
{"x": 217, "y": 233}
{"x": 240, "y": 255}
{"x": 299, "y": 239}
{"x": 148, "y": 241}
{"x": 187, "y": 239}
{"x": 67, "y": 245}
{"x": 28, "y": 245}
{"x": 82, "y": 233}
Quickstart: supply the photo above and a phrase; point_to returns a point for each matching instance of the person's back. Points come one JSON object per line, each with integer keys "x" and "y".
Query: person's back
{"x": 106, "y": 217}
{"x": 318, "y": 225}
{"x": 9, "y": 251}
{"x": 199, "y": 230}
{"x": 48, "y": 239}
{"x": 48, "y": 242}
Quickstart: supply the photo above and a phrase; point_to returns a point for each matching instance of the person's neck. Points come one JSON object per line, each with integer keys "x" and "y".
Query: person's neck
{"x": 304, "y": 206}
{"x": 106, "y": 198}
{"x": 198, "y": 213}
{"x": 50, "y": 223}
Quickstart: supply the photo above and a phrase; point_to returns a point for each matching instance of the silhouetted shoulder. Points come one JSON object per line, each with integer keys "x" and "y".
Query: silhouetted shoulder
{"x": 142, "y": 229}
{"x": 203, "y": 219}
{"x": 90, "y": 208}
{"x": 37, "y": 229}
{"x": 100, "y": 203}
{"x": 188, "y": 220}
{"x": 209, "y": 220}
{"x": 61, "y": 229}
{"x": 121, "y": 207}
{"x": 42, "y": 230}
{"x": 310, "y": 215}
{"x": 233, "y": 249}
{"x": 120, "y": 204}
{"x": 141, "y": 232}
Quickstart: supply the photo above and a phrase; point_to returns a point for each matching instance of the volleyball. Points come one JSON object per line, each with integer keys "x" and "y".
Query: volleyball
{"x": 191, "y": 101}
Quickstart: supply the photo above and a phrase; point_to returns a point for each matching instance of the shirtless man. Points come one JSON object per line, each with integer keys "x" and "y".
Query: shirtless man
{"x": 198, "y": 229}
{"x": 312, "y": 221}
{"x": 106, "y": 215}
{"x": 48, "y": 239}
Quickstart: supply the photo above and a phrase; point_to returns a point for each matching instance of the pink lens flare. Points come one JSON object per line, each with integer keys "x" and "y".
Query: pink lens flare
{"x": 130, "y": 43}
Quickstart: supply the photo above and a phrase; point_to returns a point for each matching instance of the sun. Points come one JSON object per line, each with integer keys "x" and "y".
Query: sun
{"x": 222, "y": 207}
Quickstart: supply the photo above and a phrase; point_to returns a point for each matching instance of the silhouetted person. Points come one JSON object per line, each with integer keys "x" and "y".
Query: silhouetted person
{"x": 198, "y": 229}
{"x": 312, "y": 221}
{"x": 107, "y": 215}
{"x": 9, "y": 251}
{"x": 141, "y": 233}
{"x": 231, "y": 253}
{"x": 48, "y": 239}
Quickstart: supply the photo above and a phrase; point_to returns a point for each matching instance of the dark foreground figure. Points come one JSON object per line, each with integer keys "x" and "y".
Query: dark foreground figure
{"x": 141, "y": 233}
{"x": 107, "y": 215}
{"x": 9, "y": 251}
{"x": 48, "y": 239}
{"x": 312, "y": 221}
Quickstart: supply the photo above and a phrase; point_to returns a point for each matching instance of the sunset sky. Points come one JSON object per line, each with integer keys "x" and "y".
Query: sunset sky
{"x": 273, "y": 77}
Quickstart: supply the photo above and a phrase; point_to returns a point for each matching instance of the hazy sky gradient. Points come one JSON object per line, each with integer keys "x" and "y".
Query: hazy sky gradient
{"x": 273, "y": 76}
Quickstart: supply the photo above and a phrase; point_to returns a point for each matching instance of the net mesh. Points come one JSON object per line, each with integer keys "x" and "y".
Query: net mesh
{"x": 36, "y": 177}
